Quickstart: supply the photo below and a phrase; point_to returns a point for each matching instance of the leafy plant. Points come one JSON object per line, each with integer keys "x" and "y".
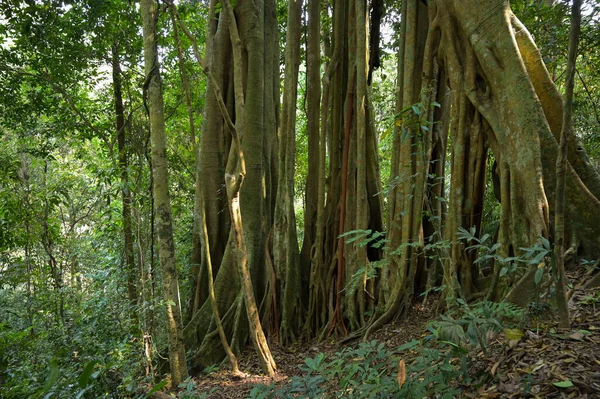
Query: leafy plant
{"x": 469, "y": 326}
{"x": 374, "y": 239}
{"x": 534, "y": 255}
{"x": 371, "y": 371}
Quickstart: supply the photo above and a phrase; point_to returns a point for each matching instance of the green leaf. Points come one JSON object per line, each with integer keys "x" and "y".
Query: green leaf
{"x": 503, "y": 271}
{"x": 84, "y": 378}
{"x": 81, "y": 393}
{"x": 52, "y": 376}
{"x": 385, "y": 134}
{"x": 409, "y": 345}
{"x": 513, "y": 333}
{"x": 545, "y": 243}
{"x": 472, "y": 333}
{"x": 157, "y": 388}
{"x": 563, "y": 384}
{"x": 538, "y": 259}
{"x": 538, "y": 275}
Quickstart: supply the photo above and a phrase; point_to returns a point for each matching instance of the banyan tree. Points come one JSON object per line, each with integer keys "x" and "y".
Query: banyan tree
{"x": 483, "y": 88}
{"x": 472, "y": 88}
{"x": 472, "y": 85}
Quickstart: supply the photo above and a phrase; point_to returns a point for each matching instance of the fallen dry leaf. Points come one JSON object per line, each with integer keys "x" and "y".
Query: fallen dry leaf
{"x": 577, "y": 336}
{"x": 401, "y": 373}
{"x": 494, "y": 368}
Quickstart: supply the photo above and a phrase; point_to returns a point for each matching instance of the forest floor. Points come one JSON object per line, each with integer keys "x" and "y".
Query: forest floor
{"x": 223, "y": 385}
{"x": 542, "y": 361}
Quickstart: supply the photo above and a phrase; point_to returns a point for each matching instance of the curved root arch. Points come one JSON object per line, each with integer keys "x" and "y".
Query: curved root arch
{"x": 496, "y": 103}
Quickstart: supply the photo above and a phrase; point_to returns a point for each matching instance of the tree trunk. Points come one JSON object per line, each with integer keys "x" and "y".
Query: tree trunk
{"x": 196, "y": 255}
{"x": 502, "y": 95}
{"x": 313, "y": 95}
{"x": 410, "y": 164}
{"x": 319, "y": 287}
{"x": 561, "y": 169}
{"x": 235, "y": 174}
{"x": 245, "y": 157}
{"x": 166, "y": 246}
{"x": 130, "y": 268}
{"x": 285, "y": 241}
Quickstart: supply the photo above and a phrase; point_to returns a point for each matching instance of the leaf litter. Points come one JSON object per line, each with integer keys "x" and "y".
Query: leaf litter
{"x": 541, "y": 361}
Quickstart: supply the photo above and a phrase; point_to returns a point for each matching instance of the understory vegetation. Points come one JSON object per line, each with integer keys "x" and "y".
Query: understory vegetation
{"x": 439, "y": 362}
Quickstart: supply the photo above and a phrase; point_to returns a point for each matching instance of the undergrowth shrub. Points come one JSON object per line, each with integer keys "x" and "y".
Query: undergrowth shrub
{"x": 469, "y": 326}
{"x": 368, "y": 371}
{"x": 91, "y": 355}
{"x": 436, "y": 365}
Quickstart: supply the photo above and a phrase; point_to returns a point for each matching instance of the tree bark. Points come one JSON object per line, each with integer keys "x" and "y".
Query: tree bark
{"x": 313, "y": 96}
{"x": 410, "y": 164}
{"x": 166, "y": 246}
{"x": 130, "y": 268}
{"x": 196, "y": 255}
{"x": 285, "y": 241}
{"x": 235, "y": 175}
{"x": 500, "y": 87}
{"x": 561, "y": 169}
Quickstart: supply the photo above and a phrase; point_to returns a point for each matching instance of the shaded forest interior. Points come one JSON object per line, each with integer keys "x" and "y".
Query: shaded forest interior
{"x": 401, "y": 197}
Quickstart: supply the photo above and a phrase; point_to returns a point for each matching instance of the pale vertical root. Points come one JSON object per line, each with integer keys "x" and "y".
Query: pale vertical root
{"x": 234, "y": 178}
{"x": 213, "y": 300}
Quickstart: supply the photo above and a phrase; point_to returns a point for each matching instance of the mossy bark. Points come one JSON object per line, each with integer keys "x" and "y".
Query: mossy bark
{"x": 313, "y": 96}
{"x": 248, "y": 240}
{"x": 166, "y": 246}
{"x": 336, "y": 263}
{"x": 410, "y": 165}
{"x": 502, "y": 96}
{"x": 239, "y": 65}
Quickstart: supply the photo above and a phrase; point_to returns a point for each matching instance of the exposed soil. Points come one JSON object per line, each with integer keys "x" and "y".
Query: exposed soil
{"x": 223, "y": 385}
